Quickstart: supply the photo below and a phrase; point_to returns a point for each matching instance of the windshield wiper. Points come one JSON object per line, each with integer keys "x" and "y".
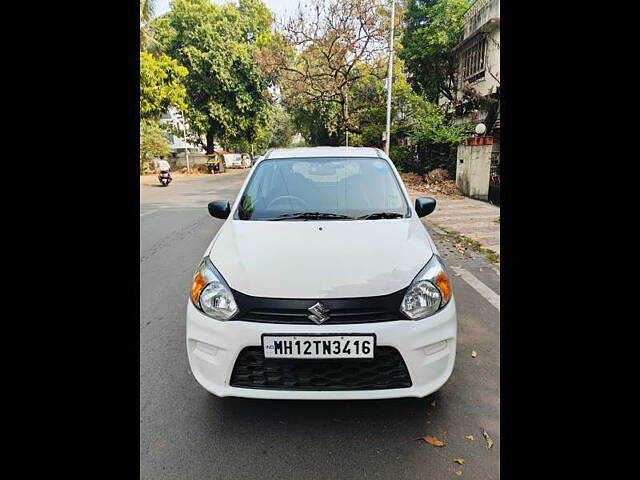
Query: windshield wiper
{"x": 379, "y": 215}
{"x": 311, "y": 216}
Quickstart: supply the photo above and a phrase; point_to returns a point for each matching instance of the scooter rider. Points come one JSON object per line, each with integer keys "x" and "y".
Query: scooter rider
{"x": 164, "y": 176}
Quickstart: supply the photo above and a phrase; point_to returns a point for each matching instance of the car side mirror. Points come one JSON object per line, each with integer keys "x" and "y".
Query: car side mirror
{"x": 219, "y": 209}
{"x": 425, "y": 205}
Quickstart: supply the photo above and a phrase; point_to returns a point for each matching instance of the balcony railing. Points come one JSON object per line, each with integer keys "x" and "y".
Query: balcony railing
{"x": 475, "y": 8}
{"x": 478, "y": 14}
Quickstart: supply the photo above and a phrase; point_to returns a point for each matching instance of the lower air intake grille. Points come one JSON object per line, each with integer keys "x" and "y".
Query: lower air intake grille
{"x": 386, "y": 370}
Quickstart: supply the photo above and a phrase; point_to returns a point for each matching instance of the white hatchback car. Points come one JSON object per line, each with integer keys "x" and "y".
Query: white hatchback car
{"x": 322, "y": 283}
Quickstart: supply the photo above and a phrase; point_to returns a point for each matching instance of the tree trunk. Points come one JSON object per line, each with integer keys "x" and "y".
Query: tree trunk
{"x": 346, "y": 119}
{"x": 210, "y": 142}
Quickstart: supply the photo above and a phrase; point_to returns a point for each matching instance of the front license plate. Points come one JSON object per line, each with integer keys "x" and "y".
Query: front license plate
{"x": 318, "y": 346}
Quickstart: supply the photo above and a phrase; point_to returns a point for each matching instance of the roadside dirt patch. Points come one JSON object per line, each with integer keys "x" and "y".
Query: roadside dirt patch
{"x": 436, "y": 181}
{"x": 465, "y": 245}
{"x": 195, "y": 170}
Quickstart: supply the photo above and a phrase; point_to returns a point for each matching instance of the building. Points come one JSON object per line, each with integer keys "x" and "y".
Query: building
{"x": 478, "y": 55}
{"x": 174, "y": 117}
{"x": 478, "y": 100}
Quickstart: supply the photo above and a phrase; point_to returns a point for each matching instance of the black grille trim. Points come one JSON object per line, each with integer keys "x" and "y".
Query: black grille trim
{"x": 385, "y": 371}
{"x": 384, "y": 308}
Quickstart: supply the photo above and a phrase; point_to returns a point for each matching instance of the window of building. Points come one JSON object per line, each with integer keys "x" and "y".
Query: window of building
{"x": 472, "y": 61}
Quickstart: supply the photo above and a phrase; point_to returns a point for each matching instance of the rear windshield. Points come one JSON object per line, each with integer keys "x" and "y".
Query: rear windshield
{"x": 349, "y": 186}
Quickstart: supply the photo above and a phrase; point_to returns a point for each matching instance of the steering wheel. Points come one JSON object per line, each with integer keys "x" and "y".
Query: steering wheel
{"x": 300, "y": 201}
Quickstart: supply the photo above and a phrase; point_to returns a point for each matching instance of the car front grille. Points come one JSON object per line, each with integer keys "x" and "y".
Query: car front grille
{"x": 338, "y": 316}
{"x": 384, "y": 308}
{"x": 386, "y": 370}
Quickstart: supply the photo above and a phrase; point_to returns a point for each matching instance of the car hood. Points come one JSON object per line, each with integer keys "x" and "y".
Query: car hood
{"x": 320, "y": 259}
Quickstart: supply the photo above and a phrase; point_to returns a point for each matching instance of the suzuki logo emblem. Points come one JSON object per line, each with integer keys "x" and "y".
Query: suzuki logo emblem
{"x": 319, "y": 313}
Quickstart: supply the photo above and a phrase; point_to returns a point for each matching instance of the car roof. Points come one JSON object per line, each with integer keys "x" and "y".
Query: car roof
{"x": 313, "y": 152}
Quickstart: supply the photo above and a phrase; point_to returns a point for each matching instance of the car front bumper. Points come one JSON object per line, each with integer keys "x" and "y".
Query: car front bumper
{"x": 427, "y": 346}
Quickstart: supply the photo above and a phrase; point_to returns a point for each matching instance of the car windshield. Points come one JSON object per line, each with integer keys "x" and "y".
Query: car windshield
{"x": 322, "y": 188}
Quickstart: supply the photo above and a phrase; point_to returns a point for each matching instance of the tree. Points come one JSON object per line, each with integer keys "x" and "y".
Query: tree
{"x": 275, "y": 133}
{"x": 161, "y": 85}
{"x": 317, "y": 123}
{"x": 147, "y": 42}
{"x": 256, "y": 21}
{"x": 160, "y": 29}
{"x": 227, "y": 93}
{"x": 426, "y": 123}
{"x": 279, "y": 130}
{"x": 153, "y": 143}
{"x": 320, "y": 56}
{"x": 432, "y": 29}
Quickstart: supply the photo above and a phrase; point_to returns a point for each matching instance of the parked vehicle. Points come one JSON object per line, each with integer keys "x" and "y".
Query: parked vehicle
{"x": 255, "y": 159}
{"x": 245, "y": 160}
{"x": 215, "y": 163}
{"x": 164, "y": 176}
{"x": 237, "y": 160}
{"x": 344, "y": 296}
{"x": 233, "y": 160}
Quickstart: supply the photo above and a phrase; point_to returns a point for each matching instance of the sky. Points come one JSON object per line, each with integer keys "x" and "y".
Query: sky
{"x": 280, "y": 8}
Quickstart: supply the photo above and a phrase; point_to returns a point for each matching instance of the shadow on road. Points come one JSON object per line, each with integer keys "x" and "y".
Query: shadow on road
{"x": 316, "y": 439}
{"x": 276, "y": 411}
{"x": 346, "y": 419}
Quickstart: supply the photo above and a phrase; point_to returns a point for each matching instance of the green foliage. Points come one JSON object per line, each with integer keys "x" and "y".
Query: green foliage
{"x": 402, "y": 157}
{"x": 161, "y": 30}
{"x": 433, "y": 28}
{"x": 226, "y": 92}
{"x": 320, "y": 55}
{"x": 276, "y": 132}
{"x": 147, "y": 8}
{"x": 315, "y": 123}
{"x": 256, "y": 21}
{"x": 427, "y": 123}
{"x": 432, "y": 136}
{"x": 153, "y": 143}
{"x": 280, "y": 129}
{"x": 161, "y": 85}
{"x": 147, "y": 41}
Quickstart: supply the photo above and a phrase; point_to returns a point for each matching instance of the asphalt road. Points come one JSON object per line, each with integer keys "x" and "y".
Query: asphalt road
{"x": 187, "y": 433}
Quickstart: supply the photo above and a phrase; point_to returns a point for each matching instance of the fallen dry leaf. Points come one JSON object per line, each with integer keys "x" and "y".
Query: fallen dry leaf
{"x": 459, "y": 473}
{"x": 469, "y": 437}
{"x": 474, "y": 354}
{"x": 487, "y": 438}
{"x": 459, "y": 461}
{"x": 432, "y": 441}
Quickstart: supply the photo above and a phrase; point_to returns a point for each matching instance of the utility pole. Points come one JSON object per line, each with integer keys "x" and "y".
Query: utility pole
{"x": 389, "y": 75}
{"x": 346, "y": 110}
{"x": 184, "y": 136}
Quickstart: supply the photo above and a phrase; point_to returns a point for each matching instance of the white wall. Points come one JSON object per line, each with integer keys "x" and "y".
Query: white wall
{"x": 480, "y": 12}
{"x": 473, "y": 169}
{"x": 489, "y": 84}
{"x": 177, "y": 143}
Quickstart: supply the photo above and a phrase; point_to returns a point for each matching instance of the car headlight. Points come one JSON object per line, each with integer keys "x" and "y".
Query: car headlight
{"x": 429, "y": 292}
{"x": 210, "y": 293}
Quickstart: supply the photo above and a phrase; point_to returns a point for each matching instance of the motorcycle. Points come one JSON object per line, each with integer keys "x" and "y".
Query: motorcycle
{"x": 165, "y": 177}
